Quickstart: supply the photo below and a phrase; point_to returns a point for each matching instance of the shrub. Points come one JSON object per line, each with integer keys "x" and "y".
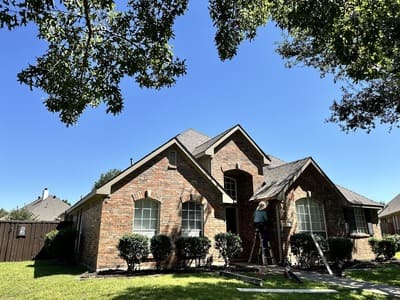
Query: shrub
{"x": 385, "y": 247}
{"x": 395, "y": 238}
{"x": 61, "y": 243}
{"x": 133, "y": 248}
{"x": 340, "y": 248}
{"x": 228, "y": 245}
{"x": 160, "y": 247}
{"x": 302, "y": 245}
{"x": 192, "y": 248}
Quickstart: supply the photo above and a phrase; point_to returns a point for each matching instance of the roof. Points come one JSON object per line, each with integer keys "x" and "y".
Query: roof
{"x": 357, "y": 199}
{"x": 280, "y": 175}
{"x": 279, "y": 178}
{"x": 105, "y": 189}
{"x": 47, "y": 209}
{"x": 192, "y": 138}
{"x": 392, "y": 207}
{"x": 207, "y": 147}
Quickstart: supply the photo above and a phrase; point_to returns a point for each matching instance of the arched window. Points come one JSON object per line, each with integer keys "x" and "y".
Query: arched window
{"x": 310, "y": 216}
{"x": 192, "y": 219}
{"x": 145, "y": 220}
{"x": 230, "y": 187}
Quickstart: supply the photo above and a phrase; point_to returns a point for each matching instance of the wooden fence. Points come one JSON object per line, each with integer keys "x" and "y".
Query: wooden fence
{"x": 23, "y": 240}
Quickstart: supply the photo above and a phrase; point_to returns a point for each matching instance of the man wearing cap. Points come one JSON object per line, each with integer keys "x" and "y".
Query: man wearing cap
{"x": 260, "y": 221}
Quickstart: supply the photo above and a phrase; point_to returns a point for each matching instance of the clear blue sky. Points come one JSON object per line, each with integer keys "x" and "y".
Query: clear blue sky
{"x": 282, "y": 109}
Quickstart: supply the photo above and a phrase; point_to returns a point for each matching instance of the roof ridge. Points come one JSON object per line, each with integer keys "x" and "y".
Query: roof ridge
{"x": 290, "y": 163}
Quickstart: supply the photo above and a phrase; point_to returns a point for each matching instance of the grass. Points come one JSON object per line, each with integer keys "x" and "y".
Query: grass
{"x": 385, "y": 274}
{"x": 47, "y": 280}
{"x": 397, "y": 256}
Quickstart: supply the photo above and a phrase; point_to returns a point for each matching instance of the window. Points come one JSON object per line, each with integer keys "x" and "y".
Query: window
{"x": 230, "y": 187}
{"x": 310, "y": 216}
{"x": 192, "y": 218}
{"x": 361, "y": 223}
{"x": 358, "y": 221}
{"x": 145, "y": 220}
{"x": 172, "y": 159}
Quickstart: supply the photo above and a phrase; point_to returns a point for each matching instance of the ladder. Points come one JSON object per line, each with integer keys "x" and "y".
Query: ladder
{"x": 261, "y": 250}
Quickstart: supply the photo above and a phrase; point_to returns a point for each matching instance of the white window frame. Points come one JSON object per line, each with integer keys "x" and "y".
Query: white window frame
{"x": 360, "y": 221}
{"x": 230, "y": 187}
{"x": 311, "y": 211}
{"x": 146, "y": 217}
{"x": 192, "y": 218}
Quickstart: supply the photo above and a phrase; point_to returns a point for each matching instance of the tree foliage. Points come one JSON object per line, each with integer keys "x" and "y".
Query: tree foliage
{"x": 104, "y": 177}
{"x": 92, "y": 45}
{"x": 3, "y": 213}
{"x": 20, "y": 214}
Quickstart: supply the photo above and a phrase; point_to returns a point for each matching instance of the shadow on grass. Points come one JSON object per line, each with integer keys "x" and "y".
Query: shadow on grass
{"x": 226, "y": 290}
{"x": 52, "y": 267}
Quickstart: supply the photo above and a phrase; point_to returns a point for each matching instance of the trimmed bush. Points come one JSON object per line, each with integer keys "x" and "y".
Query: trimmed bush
{"x": 133, "y": 248}
{"x": 160, "y": 247}
{"x": 386, "y": 247}
{"x": 229, "y": 245}
{"x": 192, "y": 248}
{"x": 303, "y": 247}
{"x": 340, "y": 248}
{"x": 395, "y": 238}
{"x": 60, "y": 244}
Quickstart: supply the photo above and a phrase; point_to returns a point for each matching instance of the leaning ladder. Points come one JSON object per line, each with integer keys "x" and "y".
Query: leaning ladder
{"x": 261, "y": 250}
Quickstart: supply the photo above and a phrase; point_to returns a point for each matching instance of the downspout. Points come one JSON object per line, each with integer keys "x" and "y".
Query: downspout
{"x": 278, "y": 226}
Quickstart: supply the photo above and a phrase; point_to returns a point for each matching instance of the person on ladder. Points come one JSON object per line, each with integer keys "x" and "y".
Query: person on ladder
{"x": 260, "y": 222}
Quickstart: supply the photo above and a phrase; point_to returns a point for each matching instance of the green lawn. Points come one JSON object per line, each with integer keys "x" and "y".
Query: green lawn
{"x": 386, "y": 274}
{"x": 46, "y": 280}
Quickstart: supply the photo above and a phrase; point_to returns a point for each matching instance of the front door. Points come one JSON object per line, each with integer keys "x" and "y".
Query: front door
{"x": 231, "y": 220}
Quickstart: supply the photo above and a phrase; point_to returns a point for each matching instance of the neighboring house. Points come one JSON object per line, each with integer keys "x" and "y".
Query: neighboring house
{"x": 47, "y": 207}
{"x": 390, "y": 217}
{"x": 197, "y": 185}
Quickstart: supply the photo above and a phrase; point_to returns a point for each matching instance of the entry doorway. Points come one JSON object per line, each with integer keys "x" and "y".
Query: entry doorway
{"x": 231, "y": 220}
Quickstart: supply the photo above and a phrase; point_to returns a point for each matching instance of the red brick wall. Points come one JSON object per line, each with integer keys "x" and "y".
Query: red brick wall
{"x": 237, "y": 157}
{"x": 89, "y": 232}
{"x": 167, "y": 185}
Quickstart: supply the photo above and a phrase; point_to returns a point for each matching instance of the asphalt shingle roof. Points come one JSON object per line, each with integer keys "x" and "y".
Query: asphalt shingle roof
{"x": 392, "y": 207}
{"x": 192, "y": 138}
{"x": 48, "y": 209}
{"x": 355, "y": 198}
{"x": 277, "y": 178}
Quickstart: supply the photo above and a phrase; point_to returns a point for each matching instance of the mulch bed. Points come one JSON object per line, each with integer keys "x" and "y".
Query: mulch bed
{"x": 117, "y": 273}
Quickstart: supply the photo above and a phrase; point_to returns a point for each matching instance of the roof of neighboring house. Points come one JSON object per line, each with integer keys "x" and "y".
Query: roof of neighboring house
{"x": 357, "y": 199}
{"x": 392, "y": 207}
{"x": 47, "y": 209}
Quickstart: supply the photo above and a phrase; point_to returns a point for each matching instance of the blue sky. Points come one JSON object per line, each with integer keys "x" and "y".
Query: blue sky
{"x": 282, "y": 109}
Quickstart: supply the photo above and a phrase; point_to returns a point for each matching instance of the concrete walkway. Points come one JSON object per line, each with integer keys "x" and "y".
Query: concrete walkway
{"x": 383, "y": 289}
{"x": 352, "y": 284}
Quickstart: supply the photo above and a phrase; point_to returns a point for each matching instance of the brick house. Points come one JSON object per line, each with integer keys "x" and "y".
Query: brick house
{"x": 390, "y": 217}
{"x": 197, "y": 185}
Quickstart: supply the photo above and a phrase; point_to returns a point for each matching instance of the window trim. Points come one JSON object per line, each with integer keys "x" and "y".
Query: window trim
{"x": 361, "y": 225}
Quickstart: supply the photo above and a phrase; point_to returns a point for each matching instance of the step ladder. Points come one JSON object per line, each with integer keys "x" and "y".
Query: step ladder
{"x": 262, "y": 252}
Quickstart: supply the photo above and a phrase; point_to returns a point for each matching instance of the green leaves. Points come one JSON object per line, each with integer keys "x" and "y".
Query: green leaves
{"x": 91, "y": 47}
{"x": 235, "y": 21}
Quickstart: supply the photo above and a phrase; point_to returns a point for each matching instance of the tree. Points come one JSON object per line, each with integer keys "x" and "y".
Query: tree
{"x": 104, "y": 177}
{"x": 21, "y": 214}
{"x": 92, "y": 45}
{"x": 3, "y": 213}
